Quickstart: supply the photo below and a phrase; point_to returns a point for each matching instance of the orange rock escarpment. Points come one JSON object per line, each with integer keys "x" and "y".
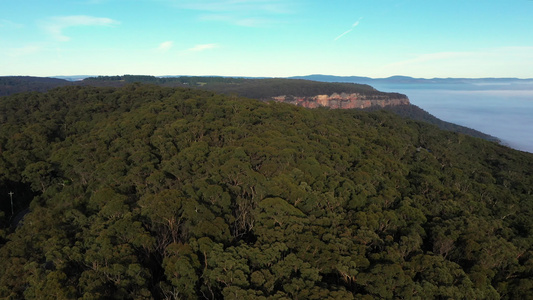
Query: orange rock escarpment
{"x": 344, "y": 100}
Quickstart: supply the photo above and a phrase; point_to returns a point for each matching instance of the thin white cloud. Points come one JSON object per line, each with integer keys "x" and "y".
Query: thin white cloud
{"x": 270, "y": 6}
{"x": 238, "y": 20}
{"x": 9, "y": 24}
{"x": 431, "y": 57}
{"x": 252, "y": 22}
{"x": 202, "y": 47}
{"x": 349, "y": 30}
{"x": 247, "y": 13}
{"x": 23, "y": 51}
{"x": 519, "y": 50}
{"x": 343, "y": 34}
{"x": 95, "y": 1}
{"x": 491, "y": 62}
{"x": 165, "y": 46}
{"x": 56, "y": 25}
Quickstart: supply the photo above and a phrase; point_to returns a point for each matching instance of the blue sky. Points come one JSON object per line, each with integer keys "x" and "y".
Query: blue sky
{"x": 375, "y": 38}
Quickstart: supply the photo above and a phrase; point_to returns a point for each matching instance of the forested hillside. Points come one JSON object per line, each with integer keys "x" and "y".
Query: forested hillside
{"x": 147, "y": 192}
{"x": 257, "y": 88}
{"x": 18, "y": 84}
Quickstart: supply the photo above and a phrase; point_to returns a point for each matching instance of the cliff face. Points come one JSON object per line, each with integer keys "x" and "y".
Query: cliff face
{"x": 344, "y": 100}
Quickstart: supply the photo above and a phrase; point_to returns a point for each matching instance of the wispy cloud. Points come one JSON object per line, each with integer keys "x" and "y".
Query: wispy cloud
{"x": 438, "y": 56}
{"x": 248, "y": 13}
{"x": 9, "y": 24}
{"x": 95, "y": 1}
{"x": 56, "y": 25}
{"x": 238, "y": 20}
{"x": 524, "y": 54}
{"x": 349, "y": 30}
{"x": 165, "y": 46}
{"x": 270, "y": 6}
{"x": 23, "y": 51}
{"x": 202, "y": 47}
{"x": 511, "y": 61}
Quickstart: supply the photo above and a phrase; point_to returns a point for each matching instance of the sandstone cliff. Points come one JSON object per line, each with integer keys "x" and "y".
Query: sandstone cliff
{"x": 345, "y": 100}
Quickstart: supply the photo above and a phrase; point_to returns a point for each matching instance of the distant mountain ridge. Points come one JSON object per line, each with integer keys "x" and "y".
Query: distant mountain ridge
{"x": 468, "y": 83}
{"x": 397, "y": 79}
{"x": 17, "y": 84}
{"x": 463, "y": 83}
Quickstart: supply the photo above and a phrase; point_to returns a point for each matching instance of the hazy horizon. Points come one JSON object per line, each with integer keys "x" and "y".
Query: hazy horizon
{"x": 243, "y": 76}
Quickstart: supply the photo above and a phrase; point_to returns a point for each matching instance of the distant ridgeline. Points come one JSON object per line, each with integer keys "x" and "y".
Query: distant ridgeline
{"x": 306, "y": 93}
{"x": 311, "y": 94}
{"x": 18, "y": 84}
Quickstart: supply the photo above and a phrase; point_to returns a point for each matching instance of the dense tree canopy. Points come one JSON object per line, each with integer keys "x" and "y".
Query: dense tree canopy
{"x": 171, "y": 193}
{"x": 257, "y": 88}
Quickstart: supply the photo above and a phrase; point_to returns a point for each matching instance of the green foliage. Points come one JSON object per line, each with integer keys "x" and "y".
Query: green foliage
{"x": 254, "y": 88}
{"x": 154, "y": 192}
